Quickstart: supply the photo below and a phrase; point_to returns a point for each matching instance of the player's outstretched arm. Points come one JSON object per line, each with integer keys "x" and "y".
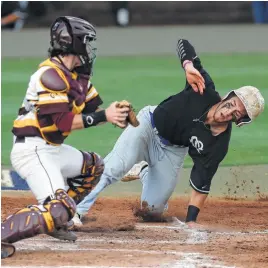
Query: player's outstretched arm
{"x": 197, "y": 201}
{"x": 188, "y": 57}
{"x": 112, "y": 114}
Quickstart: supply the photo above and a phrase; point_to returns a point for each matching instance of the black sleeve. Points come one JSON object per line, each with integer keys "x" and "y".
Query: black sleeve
{"x": 205, "y": 166}
{"x": 92, "y": 105}
{"x": 186, "y": 51}
{"x": 201, "y": 177}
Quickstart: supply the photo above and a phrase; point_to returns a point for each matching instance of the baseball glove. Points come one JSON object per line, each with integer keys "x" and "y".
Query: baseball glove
{"x": 131, "y": 119}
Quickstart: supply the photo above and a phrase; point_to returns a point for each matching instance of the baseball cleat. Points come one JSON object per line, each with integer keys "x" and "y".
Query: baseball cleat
{"x": 134, "y": 173}
{"x": 64, "y": 234}
{"x": 77, "y": 220}
{"x": 7, "y": 250}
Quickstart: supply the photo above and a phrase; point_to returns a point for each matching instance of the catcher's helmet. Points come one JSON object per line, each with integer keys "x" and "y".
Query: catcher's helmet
{"x": 72, "y": 35}
{"x": 252, "y": 100}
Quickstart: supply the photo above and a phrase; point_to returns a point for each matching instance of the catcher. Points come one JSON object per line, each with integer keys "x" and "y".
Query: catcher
{"x": 198, "y": 124}
{"x": 60, "y": 98}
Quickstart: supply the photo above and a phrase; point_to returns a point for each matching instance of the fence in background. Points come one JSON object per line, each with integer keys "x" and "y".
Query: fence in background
{"x": 147, "y": 12}
{"x": 114, "y": 41}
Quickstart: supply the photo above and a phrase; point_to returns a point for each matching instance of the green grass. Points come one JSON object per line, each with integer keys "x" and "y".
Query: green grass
{"x": 147, "y": 81}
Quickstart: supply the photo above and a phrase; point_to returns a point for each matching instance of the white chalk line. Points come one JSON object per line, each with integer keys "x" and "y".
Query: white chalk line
{"x": 189, "y": 260}
{"x": 194, "y": 236}
{"x": 116, "y": 241}
{"x": 201, "y": 231}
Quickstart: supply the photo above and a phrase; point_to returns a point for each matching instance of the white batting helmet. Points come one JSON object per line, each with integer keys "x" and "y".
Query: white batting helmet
{"x": 252, "y": 100}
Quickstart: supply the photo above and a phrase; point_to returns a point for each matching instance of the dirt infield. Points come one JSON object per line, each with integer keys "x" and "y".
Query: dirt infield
{"x": 112, "y": 236}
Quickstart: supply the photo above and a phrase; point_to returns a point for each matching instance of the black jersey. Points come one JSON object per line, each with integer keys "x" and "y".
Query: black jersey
{"x": 180, "y": 120}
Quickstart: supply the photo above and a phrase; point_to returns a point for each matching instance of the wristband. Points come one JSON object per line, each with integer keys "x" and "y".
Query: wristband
{"x": 93, "y": 119}
{"x": 186, "y": 62}
{"x": 192, "y": 213}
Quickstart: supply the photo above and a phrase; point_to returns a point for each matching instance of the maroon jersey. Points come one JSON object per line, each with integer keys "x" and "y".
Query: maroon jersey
{"x": 54, "y": 93}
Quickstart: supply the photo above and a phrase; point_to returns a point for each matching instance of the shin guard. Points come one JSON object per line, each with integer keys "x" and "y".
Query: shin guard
{"x": 91, "y": 172}
{"x": 39, "y": 219}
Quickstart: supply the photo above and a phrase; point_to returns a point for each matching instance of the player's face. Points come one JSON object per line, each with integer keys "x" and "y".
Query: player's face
{"x": 230, "y": 110}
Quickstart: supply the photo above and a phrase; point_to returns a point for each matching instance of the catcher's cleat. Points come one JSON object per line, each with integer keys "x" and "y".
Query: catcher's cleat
{"x": 134, "y": 173}
{"x": 7, "y": 250}
{"x": 41, "y": 219}
{"x": 77, "y": 220}
{"x": 63, "y": 234}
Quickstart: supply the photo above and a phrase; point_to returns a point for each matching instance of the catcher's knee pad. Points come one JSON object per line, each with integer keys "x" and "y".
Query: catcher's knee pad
{"x": 39, "y": 219}
{"x": 92, "y": 169}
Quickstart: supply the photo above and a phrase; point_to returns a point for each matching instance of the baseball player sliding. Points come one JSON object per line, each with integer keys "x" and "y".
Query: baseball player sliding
{"x": 60, "y": 98}
{"x": 187, "y": 122}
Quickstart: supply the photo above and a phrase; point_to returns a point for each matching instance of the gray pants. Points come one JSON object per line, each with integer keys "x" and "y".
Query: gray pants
{"x": 142, "y": 144}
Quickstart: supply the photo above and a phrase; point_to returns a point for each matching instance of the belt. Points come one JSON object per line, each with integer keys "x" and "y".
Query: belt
{"x": 20, "y": 140}
{"x": 163, "y": 140}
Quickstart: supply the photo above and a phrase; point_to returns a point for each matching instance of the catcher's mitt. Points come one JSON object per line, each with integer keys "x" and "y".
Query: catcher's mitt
{"x": 131, "y": 119}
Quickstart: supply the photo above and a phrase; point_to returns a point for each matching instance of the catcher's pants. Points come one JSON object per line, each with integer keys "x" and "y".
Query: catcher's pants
{"x": 45, "y": 167}
{"x": 134, "y": 145}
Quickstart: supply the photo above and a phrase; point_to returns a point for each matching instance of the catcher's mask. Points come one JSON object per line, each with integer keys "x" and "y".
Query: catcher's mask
{"x": 72, "y": 35}
{"x": 252, "y": 100}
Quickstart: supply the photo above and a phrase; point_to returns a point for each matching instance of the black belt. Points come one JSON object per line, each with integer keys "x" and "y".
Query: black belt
{"x": 163, "y": 140}
{"x": 20, "y": 140}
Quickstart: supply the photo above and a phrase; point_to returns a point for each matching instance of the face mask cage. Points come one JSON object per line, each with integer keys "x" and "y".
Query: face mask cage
{"x": 91, "y": 48}
{"x": 89, "y": 56}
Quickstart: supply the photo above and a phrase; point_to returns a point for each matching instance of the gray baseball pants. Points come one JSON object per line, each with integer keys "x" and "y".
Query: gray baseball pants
{"x": 142, "y": 144}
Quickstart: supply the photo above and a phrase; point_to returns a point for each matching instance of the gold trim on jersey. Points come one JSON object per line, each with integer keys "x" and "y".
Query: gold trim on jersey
{"x": 34, "y": 123}
{"x": 51, "y": 102}
{"x": 66, "y": 133}
{"x": 42, "y": 133}
{"x": 78, "y": 109}
{"x": 53, "y": 96}
{"x": 51, "y": 128}
{"x": 92, "y": 93}
{"x": 25, "y": 123}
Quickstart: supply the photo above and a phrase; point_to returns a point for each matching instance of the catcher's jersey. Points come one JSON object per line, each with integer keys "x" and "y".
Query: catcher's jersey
{"x": 180, "y": 119}
{"x": 42, "y": 102}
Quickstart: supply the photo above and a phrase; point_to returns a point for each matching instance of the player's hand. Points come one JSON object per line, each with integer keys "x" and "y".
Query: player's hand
{"x": 196, "y": 226}
{"x": 194, "y": 78}
{"x": 117, "y": 115}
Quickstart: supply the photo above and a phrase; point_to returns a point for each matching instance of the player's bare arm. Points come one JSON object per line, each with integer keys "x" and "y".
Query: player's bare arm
{"x": 112, "y": 114}
{"x": 196, "y": 203}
